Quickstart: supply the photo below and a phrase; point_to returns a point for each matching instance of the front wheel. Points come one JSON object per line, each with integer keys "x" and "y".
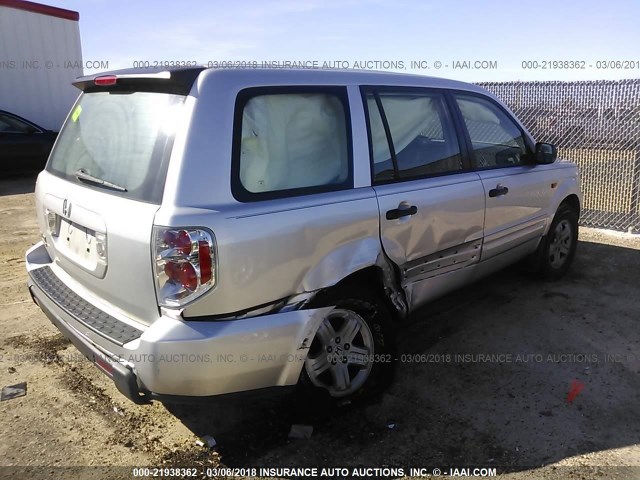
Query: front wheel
{"x": 558, "y": 247}
{"x": 351, "y": 354}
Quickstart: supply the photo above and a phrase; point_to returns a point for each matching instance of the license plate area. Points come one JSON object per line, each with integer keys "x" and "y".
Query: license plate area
{"x": 83, "y": 246}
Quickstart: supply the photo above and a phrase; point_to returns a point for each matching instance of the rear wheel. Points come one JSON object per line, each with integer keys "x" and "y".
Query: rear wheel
{"x": 351, "y": 355}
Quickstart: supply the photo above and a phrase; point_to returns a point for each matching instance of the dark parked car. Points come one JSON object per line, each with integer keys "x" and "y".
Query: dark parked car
{"x": 24, "y": 146}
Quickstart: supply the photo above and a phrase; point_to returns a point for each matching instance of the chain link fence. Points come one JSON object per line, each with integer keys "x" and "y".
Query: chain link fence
{"x": 595, "y": 124}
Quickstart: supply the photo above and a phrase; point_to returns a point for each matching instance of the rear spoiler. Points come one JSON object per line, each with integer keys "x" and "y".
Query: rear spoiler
{"x": 178, "y": 81}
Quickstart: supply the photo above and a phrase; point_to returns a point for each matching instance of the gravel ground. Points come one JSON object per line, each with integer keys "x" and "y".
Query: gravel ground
{"x": 483, "y": 381}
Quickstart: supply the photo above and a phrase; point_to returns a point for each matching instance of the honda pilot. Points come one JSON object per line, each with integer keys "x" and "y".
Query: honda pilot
{"x": 211, "y": 231}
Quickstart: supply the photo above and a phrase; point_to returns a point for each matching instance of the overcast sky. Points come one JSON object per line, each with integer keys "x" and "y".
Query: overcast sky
{"x": 503, "y": 32}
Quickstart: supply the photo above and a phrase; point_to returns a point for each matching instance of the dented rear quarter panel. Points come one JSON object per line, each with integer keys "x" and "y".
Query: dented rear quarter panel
{"x": 275, "y": 249}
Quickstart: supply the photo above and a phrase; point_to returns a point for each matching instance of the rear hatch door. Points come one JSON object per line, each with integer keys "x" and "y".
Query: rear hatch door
{"x": 104, "y": 183}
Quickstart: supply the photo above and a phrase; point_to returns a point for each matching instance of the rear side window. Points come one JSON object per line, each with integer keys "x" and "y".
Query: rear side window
{"x": 290, "y": 142}
{"x": 496, "y": 139}
{"x": 421, "y": 139}
{"x": 121, "y": 138}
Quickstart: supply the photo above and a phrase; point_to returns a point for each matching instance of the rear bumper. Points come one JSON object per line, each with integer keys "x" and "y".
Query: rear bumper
{"x": 122, "y": 376}
{"x": 177, "y": 358}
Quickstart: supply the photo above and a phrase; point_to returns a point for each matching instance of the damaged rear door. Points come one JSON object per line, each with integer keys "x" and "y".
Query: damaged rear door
{"x": 431, "y": 204}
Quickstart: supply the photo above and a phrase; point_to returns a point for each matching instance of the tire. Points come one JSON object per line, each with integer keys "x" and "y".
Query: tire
{"x": 557, "y": 249}
{"x": 352, "y": 354}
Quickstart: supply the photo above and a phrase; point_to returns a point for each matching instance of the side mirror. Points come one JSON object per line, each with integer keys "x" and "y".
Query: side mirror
{"x": 545, "y": 153}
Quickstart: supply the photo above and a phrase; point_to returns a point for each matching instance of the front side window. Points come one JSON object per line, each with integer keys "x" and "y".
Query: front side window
{"x": 293, "y": 143}
{"x": 496, "y": 139}
{"x": 422, "y": 137}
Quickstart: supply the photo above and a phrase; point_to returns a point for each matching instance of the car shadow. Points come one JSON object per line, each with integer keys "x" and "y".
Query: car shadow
{"x": 18, "y": 184}
{"x": 484, "y": 378}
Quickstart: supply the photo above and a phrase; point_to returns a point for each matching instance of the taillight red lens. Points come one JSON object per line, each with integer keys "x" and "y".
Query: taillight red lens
{"x": 182, "y": 273}
{"x": 188, "y": 277}
{"x": 106, "y": 80}
{"x": 204, "y": 254}
{"x": 179, "y": 240}
{"x": 171, "y": 270}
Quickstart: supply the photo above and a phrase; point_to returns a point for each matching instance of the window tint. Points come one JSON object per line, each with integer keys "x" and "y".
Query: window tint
{"x": 9, "y": 124}
{"x": 423, "y": 138}
{"x": 497, "y": 141}
{"x": 293, "y": 140}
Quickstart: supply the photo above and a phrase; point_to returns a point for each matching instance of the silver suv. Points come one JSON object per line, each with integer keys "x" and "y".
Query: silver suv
{"x": 213, "y": 231}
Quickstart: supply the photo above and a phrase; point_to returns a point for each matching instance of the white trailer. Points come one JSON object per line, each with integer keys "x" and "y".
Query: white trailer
{"x": 40, "y": 55}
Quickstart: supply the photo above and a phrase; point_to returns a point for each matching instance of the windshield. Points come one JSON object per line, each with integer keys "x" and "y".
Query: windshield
{"x": 123, "y": 139}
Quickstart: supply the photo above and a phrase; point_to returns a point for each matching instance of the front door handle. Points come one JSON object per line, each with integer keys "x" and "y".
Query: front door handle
{"x": 401, "y": 212}
{"x": 499, "y": 190}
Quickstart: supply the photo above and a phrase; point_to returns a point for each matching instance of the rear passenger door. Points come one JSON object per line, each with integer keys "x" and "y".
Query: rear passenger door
{"x": 517, "y": 190}
{"x": 431, "y": 204}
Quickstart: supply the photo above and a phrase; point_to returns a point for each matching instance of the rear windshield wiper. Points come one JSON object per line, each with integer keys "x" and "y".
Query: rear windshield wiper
{"x": 84, "y": 176}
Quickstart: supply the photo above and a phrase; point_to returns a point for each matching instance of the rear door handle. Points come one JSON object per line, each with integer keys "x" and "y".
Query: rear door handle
{"x": 401, "y": 212}
{"x": 499, "y": 190}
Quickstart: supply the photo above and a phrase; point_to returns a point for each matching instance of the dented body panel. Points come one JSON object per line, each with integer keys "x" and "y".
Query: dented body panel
{"x": 175, "y": 357}
{"x": 297, "y": 245}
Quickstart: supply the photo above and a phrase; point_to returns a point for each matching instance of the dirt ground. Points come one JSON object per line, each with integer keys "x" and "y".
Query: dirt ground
{"x": 503, "y": 405}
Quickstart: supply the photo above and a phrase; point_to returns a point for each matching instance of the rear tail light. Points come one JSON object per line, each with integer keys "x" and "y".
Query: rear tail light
{"x": 185, "y": 263}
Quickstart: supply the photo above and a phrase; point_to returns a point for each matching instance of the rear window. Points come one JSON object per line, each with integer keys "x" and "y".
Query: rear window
{"x": 121, "y": 138}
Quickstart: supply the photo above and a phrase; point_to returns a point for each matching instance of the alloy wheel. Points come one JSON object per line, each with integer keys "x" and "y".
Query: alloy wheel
{"x": 561, "y": 243}
{"x": 341, "y": 354}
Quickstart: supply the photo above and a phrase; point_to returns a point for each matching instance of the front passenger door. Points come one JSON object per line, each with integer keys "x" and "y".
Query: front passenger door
{"x": 518, "y": 192}
{"x": 431, "y": 205}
